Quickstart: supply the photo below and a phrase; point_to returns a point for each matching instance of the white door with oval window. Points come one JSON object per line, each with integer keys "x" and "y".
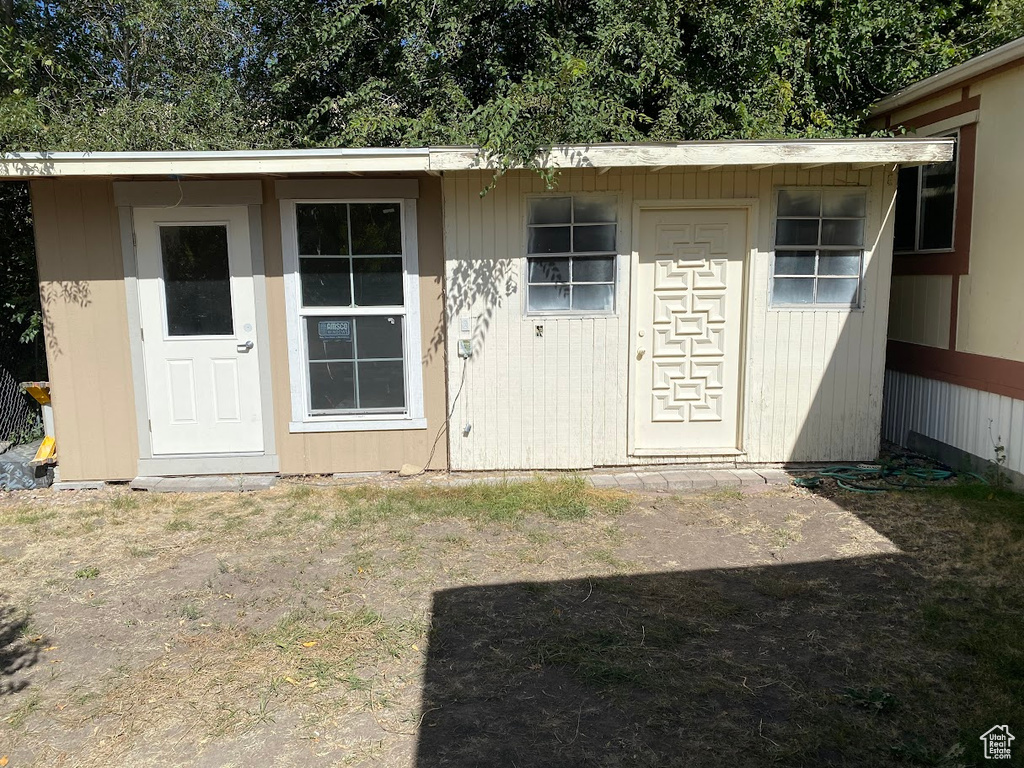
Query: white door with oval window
{"x": 198, "y": 316}
{"x": 686, "y": 329}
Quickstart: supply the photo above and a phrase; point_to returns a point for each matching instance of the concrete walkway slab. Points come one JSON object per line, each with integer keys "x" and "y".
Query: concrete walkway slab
{"x": 204, "y": 483}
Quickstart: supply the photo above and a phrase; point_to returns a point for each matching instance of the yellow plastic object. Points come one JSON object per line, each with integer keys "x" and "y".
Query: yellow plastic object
{"x": 40, "y": 390}
{"x": 47, "y": 450}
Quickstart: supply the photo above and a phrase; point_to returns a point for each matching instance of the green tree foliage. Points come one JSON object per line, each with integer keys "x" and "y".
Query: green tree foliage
{"x": 510, "y": 75}
{"x": 21, "y": 338}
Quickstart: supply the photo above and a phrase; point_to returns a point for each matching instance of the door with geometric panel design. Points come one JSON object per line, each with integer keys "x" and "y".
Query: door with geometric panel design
{"x": 198, "y": 316}
{"x": 686, "y": 331}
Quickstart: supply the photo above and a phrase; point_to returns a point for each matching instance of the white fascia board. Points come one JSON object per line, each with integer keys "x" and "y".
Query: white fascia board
{"x": 720, "y": 153}
{"x": 979, "y": 65}
{"x": 213, "y": 163}
{"x": 436, "y": 159}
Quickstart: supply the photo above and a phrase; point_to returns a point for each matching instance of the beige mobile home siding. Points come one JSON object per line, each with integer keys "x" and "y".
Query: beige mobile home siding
{"x": 81, "y": 281}
{"x": 919, "y": 309}
{"x": 991, "y": 312}
{"x": 813, "y": 379}
{"x": 322, "y": 452}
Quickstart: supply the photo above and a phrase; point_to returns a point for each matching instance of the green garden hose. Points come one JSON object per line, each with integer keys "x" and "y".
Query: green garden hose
{"x": 874, "y": 478}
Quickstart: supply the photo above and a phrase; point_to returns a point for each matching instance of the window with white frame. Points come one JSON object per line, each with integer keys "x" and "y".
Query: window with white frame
{"x": 926, "y": 206}
{"x": 353, "y": 317}
{"x": 819, "y": 247}
{"x": 571, "y": 254}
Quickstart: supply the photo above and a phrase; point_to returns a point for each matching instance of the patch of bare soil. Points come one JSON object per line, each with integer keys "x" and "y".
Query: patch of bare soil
{"x": 535, "y": 625}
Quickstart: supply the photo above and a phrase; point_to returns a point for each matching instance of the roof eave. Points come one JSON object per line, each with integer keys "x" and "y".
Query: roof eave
{"x": 900, "y": 151}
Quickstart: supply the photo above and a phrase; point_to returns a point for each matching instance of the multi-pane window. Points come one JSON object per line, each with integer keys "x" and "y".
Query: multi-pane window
{"x": 819, "y": 247}
{"x": 926, "y": 206}
{"x": 352, "y": 312}
{"x": 571, "y": 254}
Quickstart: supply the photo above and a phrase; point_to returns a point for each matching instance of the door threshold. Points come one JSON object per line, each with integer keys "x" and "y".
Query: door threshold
{"x": 668, "y": 453}
{"x": 213, "y": 464}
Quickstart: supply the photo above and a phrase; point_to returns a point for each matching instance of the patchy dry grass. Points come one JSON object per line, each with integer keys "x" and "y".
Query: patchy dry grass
{"x": 537, "y": 624}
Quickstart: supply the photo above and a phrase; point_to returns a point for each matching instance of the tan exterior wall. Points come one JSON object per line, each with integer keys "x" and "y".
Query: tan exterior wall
{"x": 812, "y": 378}
{"x": 919, "y": 309}
{"x": 81, "y": 280}
{"x": 363, "y": 451}
{"x": 86, "y": 325}
{"x": 991, "y": 313}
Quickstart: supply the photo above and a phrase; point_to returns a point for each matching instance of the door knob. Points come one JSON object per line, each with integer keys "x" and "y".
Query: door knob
{"x": 244, "y": 347}
{"x": 640, "y": 352}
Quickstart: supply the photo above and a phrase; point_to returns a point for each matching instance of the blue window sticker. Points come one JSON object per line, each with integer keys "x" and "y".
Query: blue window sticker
{"x": 335, "y": 330}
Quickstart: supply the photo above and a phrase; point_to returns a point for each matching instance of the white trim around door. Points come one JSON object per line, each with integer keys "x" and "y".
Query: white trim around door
{"x": 247, "y": 217}
{"x": 694, "y": 399}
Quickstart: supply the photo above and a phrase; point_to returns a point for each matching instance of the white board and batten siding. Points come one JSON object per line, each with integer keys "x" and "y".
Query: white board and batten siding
{"x": 811, "y": 378}
{"x": 969, "y": 419}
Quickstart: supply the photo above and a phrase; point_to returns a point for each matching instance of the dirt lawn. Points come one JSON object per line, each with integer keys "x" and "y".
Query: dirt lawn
{"x": 540, "y": 624}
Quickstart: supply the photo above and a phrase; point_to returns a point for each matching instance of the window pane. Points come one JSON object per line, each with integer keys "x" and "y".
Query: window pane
{"x": 325, "y": 282}
{"x": 794, "y": 263}
{"x": 332, "y": 386}
{"x": 550, "y": 210}
{"x": 601, "y": 209}
{"x": 600, "y": 237}
{"x": 549, "y": 270}
{"x": 378, "y": 282}
{"x": 842, "y": 232}
{"x": 843, "y": 203}
{"x": 547, "y": 297}
{"x": 839, "y": 263}
{"x": 593, "y": 269}
{"x": 376, "y": 228}
{"x": 381, "y": 385}
{"x": 323, "y": 229}
{"x": 330, "y": 338}
{"x": 790, "y": 290}
{"x": 938, "y": 183}
{"x": 197, "y": 280}
{"x": 906, "y": 210}
{"x": 549, "y": 240}
{"x": 841, "y": 291}
{"x": 797, "y": 232}
{"x": 592, "y": 297}
{"x": 379, "y": 337}
{"x": 797, "y": 202}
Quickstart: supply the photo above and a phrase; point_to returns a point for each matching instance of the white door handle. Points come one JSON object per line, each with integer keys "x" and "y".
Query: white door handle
{"x": 640, "y": 352}
{"x": 244, "y": 347}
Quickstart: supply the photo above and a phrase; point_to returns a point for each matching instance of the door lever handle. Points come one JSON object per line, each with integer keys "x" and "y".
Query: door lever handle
{"x": 640, "y": 352}
{"x": 244, "y": 347}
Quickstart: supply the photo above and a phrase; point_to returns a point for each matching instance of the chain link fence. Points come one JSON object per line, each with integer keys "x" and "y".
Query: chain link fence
{"x": 20, "y": 421}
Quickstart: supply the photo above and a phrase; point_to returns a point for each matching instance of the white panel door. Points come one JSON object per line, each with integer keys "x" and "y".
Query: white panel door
{"x": 686, "y": 329}
{"x": 198, "y": 313}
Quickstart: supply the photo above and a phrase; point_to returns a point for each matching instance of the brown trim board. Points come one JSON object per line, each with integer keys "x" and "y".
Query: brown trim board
{"x": 988, "y": 374}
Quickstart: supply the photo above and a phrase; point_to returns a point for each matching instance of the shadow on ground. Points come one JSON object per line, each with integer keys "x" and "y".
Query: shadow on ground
{"x": 17, "y": 653}
{"x": 799, "y": 664}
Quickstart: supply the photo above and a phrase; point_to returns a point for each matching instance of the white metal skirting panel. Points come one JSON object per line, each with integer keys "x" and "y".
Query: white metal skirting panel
{"x": 812, "y": 379}
{"x": 968, "y": 419}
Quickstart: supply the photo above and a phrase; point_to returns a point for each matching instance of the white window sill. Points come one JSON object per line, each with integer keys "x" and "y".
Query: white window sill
{"x": 352, "y": 425}
{"x": 814, "y": 308}
{"x": 581, "y": 315}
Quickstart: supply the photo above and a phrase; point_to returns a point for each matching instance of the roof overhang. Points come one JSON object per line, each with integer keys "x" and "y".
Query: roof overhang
{"x": 950, "y": 78}
{"x": 701, "y": 154}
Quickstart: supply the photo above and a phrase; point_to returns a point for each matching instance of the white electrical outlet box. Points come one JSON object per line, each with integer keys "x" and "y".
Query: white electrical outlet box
{"x": 465, "y": 324}
{"x": 465, "y": 348}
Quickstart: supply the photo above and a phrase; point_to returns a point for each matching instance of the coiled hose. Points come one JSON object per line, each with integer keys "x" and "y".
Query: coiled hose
{"x": 874, "y": 478}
